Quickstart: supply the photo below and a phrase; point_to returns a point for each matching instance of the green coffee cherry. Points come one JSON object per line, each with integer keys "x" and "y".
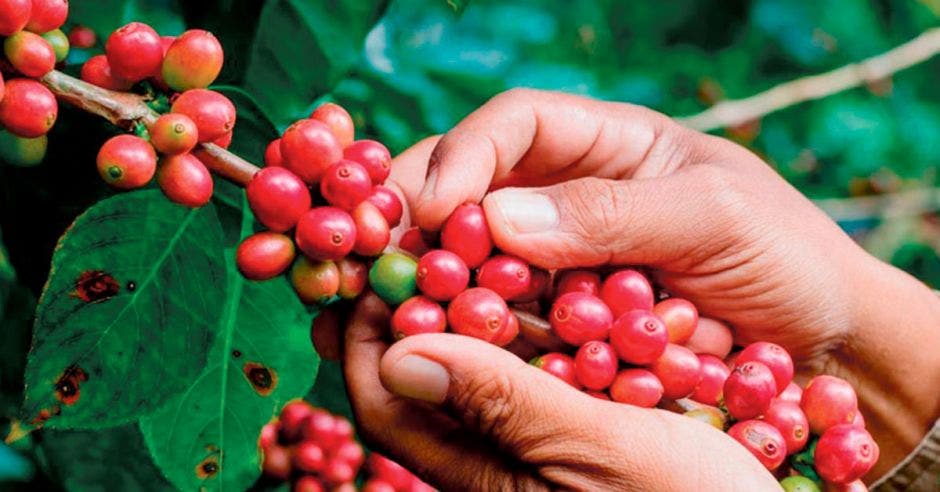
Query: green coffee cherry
{"x": 392, "y": 277}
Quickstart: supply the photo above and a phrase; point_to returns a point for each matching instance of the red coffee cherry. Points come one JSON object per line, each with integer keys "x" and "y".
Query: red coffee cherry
{"x": 506, "y": 275}
{"x": 82, "y": 37}
{"x": 268, "y": 436}
{"x": 793, "y": 393}
{"x": 393, "y": 473}
{"x": 418, "y": 315}
{"x": 278, "y": 198}
{"x": 680, "y": 317}
{"x": 309, "y": 457}
{"x": 349, "y": 451}
{"x": 126, "y": 162}
{"x": 134, "y": 52}
{"x": 627, "y": 290}
{"x": 353, "y": 277}
{"x": 174, "y": 134}
{"x": 577, "y": 281}
{"x": 293, "y": 417}
{"x": 372, "y": 232}
{"x": 212, "y": 112}
{"x": 479, "y": 313}
{"x": 193, "y": 61}
{"x": 165, "y": 43}
{"x": 377, "y": 485}
{"x": 679, "y": 370}
{"x": 30, "y": 54}
{"x": 345, "y": 185}
{"x": 828, "y": 401}
{"x": 441, "y": 275}
{"x": 749, "y": 390}
{"x": 637, "y": 387}
{"x": 28, "y": 108}
{"x": 578, "y": 318}
{"x": 264, "y": 255}
{"x": 466, "y": 233}
{"x": 97, "y": 71}
{"x": 277, "y": 463}
{"x": 414, "y": 242}
{"x": 309, "y": 148}
{"x": 845, "y": 453}
{"x": 272, "y": 154}
{"x": 762, "y": 440}
{"x": 388, "y": 203}
{"x": 185, "y": 180}
{"x": 339, "y": 121}
{"x": 714, "y": 374}
{"x": 338, "y": 472}
{"x": 321, "y": 428}
{"x": 373, "y": 156}
{"x": 775, "y": 357}
{"x": 711, "y": 337}
{"x": 595, "y": 365}
{"x": 224, "y": 141}
{"x": 509, "y": 334}
{"x": 14, "y": 14}
{"x": 559, "y": 365}
{"x": 539, "y": 284}
{"x": 325, "y": 233}
{"x": 47, "y": 15}
{"x": 791, "y": 422}
{"x": 639, "y": 337}
{"x": 314, "y": 281}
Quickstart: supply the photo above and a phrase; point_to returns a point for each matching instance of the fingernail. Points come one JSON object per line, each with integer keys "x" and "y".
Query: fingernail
{"x": 416, "y": 377}
{"x": 526, "y": 211}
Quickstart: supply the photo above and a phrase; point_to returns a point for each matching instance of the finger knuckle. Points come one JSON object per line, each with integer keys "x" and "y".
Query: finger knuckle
{"x": 599, "y": 210}
{"x": 488, "y": 404}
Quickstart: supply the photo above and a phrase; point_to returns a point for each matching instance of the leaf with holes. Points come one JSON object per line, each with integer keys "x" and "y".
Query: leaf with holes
{"x": 128, "y": 314}
{"x": 207, "y": 437}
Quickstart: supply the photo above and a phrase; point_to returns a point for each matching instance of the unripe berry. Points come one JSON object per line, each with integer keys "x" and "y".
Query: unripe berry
{"x": 59, "y": 42}
{"x": 762, "y": 440}
{"x": 174, "y": 134}
{"x": 711, "y": 337}
{"x": 212, "y": 112}
{"x": 185, "y": 180}
{"x": 309, "y": 457}
{"x": 637, "y": 387}
{"x": 418, "y": 315}
{"x": 577, "y": 281}
{"x": 708, "y": 415}
{"x": 264, "y": 255}
{"x": 790, "y": 420}
{"x": 272, "y": 154}
{"x": 14, "y": 14}
{"x": 353, "y": 277}
{"x": 680, "y": 316}
{"x": 388, "y": 203}
{"x": 627, "y": 290}
{"x": 799, "y": 483}
{"x": 193, "y": 61}
{"x": 845, "y": 453}
{"x": 82, "y": 37}
{"x": 392, "y": 277}
{"x": 126, "y": 162}
{"x": 134, "y": 51}
{"x": 372, "y": 232}
{"x": 278, "y": 198}
{"x": 28, "y": 108}
{"x": 749, "y": 390}
{"x": 442, "y": 275}
{"x": 559, "y": 365}
{"x": 373, "y": 156}
{"x": 340, "y": 123}
{"x": 578, "y": 318}
{"x": 326, "y": 233}
{"x": 506, "y": 275}
{"x": 714, "y": 375}
{"x": 679, "y": 370}
{"x": 277, "y": 463}
{"x": 828, "y": 401}
{"x": 639, "y": 337}
{"x": 314, "y": 282}
{"x": 466, "y": 233}
{"x": 595, "y": 365}
{"x": 97, "y": 71}
{"x": 309, "y": 149}
{"x": 774, "y": 357}
{"x": 47, "y": 15}
{"x": 345, "y": 185}
{"x": 479, "y": 313}
{"x": 22, "y": 152}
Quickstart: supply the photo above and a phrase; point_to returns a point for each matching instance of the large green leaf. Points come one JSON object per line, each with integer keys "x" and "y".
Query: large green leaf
{"x": 129, "y": 312}
{"x": 303, "y": 48}
{"x": 207, "y": 437}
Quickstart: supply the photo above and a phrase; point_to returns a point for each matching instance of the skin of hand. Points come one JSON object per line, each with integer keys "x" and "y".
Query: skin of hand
{"x": 568, "y": 181}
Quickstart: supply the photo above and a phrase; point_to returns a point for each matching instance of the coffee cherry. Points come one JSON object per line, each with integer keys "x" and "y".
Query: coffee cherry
{"x": 293, "y": 417}
{"x": 506, "y": 275}
{"x": 134, "y": 52}
{"x": 14, "y": 14}
{"x": 388, "y": 203}
{"x": 510, "y": 334}
{"x": 165, "y": 43}
{"x": 126, "y": 162}
{"x": 277, "y": 463}
{"x": 711, "y": 337}
{"x": 774, "y": 357}
{"x": 47, "y": 15}
{"x": 377, "y": 485}
{"x": 59, "y": 42}
{"x": 325, "y": 233}
{"x": 174, "y": 134}
{"x": 539, "y": 284}
{"x": 321, "y": 427}
{"x": 749, "y": 390}
{"x": 272, "y": 154}
{"x": 82, "y": 37}
{"x": 859, "y": 420}
{"x": 595, "y": 365}
{"x": 479, "y": 313}
{"x": 637, "y": 387}
{"x": 338, "y": 472}
{"x": 353, "y": 277}
{"x": 373, "y": 156}
{"x": 268, "y": 436}
{"x": 413, "y": 241}
{"x": 185, "y": 180}
{"x": 97, "y": 71}
{"x": 224, "y": 141}
{"x": 627, "y": 290}
{"x": 418, "y": 315}
{"x": 680, "y": 317}
{"x": 679, "y": 370}
{"x": 307, "y": 483}
{"x": 212, "y": 112}
{"x": 193, "y": 61}
{"x": 577, "y": 281}
{"x": 264, "y": 255}
{"x": 639, "y": 337}
{"x": 392, "y": 277}
{"x": 393, "y": 473}
{"x": 466, "y": 233}
{"x": 278, "y": 198}
{"x": 799, "y": 483}
{"x": 762, "y": 440}
{"x": 578, "y": 318}
{"x": 828, "y": 401}
{"x": 309, "y": 457}
{"x": 845, "y": 453}
{"x": 442, "y": 275}
{"x": 349, "y": 451}
{"x": 28, "y": 108}
{"x": 22, "y": 152}
{"x": 714, "y": 374}
{"x": 793, "y": 394}
{"x": 314, "y": 281}
{"x": 339, "y": 121}
{"x": 791, "y": 422}
{"x": 309, "y": 149}
{"x": 372, "y": 232}
{"x": 559, "y": 365}
{"x": 345, "y": 185}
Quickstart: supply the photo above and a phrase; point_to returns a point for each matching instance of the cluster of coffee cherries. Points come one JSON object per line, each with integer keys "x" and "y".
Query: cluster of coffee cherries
{"x": 316, "y": 451}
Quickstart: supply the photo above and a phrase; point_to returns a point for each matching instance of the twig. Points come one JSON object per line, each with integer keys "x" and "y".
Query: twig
{"x": 736, "y": 112}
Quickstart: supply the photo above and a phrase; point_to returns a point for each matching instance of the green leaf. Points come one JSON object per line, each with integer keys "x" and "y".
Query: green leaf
{"x": 302, "y": 49}
{"x": 129, "y": 312}
{"x": 263, "y": 357}
{"x": 104, "y": 16}
{"x": 458, "y": 5}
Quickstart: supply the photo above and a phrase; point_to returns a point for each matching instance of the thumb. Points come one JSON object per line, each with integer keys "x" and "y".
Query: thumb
{"x": 592, "y": 221}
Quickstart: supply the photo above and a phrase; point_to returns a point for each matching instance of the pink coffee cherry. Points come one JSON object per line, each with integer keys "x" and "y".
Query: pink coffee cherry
{"x": 388, "y": 203}
{"x": 639, "y": 337}
{"x": 577, "y": 281}
{"x": 372, "y": 232}
{"x": 714, "y": 375}
{"x": 441, "y": 275}
{"x": 679, "y": 370}
{"x": 792, "y": 393}
{"x": 828, "y": 401}
{"x": 506, "y": 275}
{"x": 373, "y": 156}
{"x": 774, "y": 357}
{"x": 278, "y": 198}
{"x": 711, "y": 337}
{"x": 325, "y": 233}
{"x": 845, "y": 453}
{"x": 479, "y": 313}
{"x": 418, "y": 315}
{"x": 627, "y": 290}
{"x": 595, "y": 365}
{"x": 680, "y": 316}
{"x": 637, "y": 387}
{"x": 559, "y": 365}
{"x": 578, "y": 318}
{"x": 749, "y": 390}
{"x": 762, "y": 440}
{"x": 539, "y": 285}
{"x": 790, "y": 420}
{"x": 467, "y": 233}
{"x": 345, "y": 185}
